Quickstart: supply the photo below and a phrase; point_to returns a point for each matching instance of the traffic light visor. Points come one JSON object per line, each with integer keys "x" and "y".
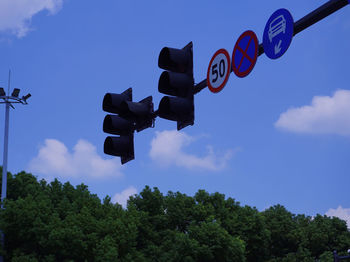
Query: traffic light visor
{"x": 177, "y": 109}
{"x": 176, "y": 60}
{"x": 116, "y": 125}
{"x": 122, "y": 146}
{"x": 175, "y": 84}
{"x": 112, "y": 102}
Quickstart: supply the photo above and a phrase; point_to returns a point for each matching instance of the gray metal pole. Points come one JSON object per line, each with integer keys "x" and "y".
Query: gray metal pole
{"x": 8, "y": 100}
{"x": 4, "y": 167}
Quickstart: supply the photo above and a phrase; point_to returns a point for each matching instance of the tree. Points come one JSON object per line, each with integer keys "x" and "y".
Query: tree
{"x": 59, "y": 222}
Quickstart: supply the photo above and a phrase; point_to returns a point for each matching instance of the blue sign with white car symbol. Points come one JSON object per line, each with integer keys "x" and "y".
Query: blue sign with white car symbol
{"x": 278, "y": 33}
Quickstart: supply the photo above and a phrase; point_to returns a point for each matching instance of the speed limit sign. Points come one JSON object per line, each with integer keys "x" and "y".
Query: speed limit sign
{"x": 218, "y": 71}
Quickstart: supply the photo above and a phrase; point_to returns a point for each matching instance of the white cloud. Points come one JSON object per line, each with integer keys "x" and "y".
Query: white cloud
{"x": 342, "y": 213}
{"x": 54, "y": 159}
{"x": 15, "y": 15}
{"x": 123, "y": 197}
{"x": 167, "y": 149}
{"x": 325, "y": 115}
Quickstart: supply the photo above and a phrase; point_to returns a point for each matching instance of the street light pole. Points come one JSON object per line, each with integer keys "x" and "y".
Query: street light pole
{"x": 8, "y": 100}
{"x": 4, "y": 166}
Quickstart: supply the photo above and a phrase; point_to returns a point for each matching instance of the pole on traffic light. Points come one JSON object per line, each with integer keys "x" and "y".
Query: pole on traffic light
{"x": 308, "y": 20}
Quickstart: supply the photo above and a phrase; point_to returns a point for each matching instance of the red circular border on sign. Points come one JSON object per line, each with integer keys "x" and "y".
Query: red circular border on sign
{"x": 256, "y": 42}
{"x": 219, "y": 88}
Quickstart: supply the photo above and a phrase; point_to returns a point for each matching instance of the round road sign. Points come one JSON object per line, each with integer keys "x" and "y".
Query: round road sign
{"x": 218, "y": 71}
{"x": 245, "y": 53}
{"x": 278, "y": 33}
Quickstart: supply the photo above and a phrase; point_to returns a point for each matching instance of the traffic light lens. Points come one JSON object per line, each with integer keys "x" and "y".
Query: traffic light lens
{"x": 117, "y": 126}
{"x": 107, "y": 104}
{"x": 176, "y": 108}
{"x": 164, "y": 59}
{"x": 175, "y": 84}
{"x": 172, "y": 59}
{"x": 111, "y": 102}
{"x": 122, "y": 146}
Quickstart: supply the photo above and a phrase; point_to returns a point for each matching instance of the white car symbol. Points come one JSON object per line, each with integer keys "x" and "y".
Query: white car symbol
{"x": 277, "y": 26}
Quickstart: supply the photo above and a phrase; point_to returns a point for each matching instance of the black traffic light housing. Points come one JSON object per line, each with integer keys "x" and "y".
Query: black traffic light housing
{"x": 177, "y": 82}
{"x": 131, "y": 116}
{"x": 122, "y": 146}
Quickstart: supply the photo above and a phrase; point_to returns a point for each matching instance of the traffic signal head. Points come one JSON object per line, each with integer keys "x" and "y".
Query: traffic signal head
{"x": 112, "y": 102}
{"x": 122, "y": 146}
{"x": 141, "y": 113}
{"x": 176, "y": 60}
{"x": 177, "y": 109}
{"x": 177, "y": 82}
{"x": 131, "y": 116}
{"x": 117, "y": 125}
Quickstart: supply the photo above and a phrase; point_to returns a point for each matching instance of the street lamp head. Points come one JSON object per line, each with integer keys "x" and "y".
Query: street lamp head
{"x": 2, "y": 92}
{"x": 15, "y": 92}
{"x": 26, "y": 97}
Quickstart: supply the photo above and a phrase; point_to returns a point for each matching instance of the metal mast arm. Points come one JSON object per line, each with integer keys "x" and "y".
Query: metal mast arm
{"x": 318, "y": 14}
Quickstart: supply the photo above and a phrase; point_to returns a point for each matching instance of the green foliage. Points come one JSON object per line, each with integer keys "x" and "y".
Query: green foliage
{"x": 59, "y": 222}
{"x": 326, "y": 256}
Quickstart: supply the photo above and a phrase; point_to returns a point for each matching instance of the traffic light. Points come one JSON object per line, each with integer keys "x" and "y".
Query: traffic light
{"x": 177, "y": 82}
{"x": 130, "y": 116}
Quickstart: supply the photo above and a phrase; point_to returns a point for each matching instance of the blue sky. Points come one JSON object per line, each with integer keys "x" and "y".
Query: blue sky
{"x": 281, "y": 135}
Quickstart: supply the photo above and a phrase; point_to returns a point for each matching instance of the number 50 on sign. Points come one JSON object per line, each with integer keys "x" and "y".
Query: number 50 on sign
{"x": 218, "y": 71}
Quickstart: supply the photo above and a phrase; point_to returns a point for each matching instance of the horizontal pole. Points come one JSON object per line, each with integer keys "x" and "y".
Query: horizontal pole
{"x": 13, "y": 102}
{"x": 155, "y": 114}
{"x": 323, "y": 11}
{"x": 318, "y": 14}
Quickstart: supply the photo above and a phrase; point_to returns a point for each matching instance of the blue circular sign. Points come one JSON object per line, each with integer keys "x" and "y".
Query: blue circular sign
{"x": 278, "y": 33}
{"x": 245, "y": 53}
